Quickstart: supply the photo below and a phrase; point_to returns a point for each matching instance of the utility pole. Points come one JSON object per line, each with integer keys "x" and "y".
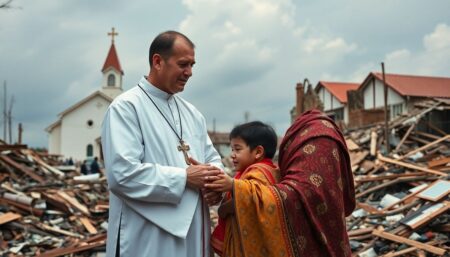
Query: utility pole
{"x": 19, "y": 140}
{"x": 386, "y": 114}
{"x": 5, "y": 120}
{"x": 10, "y": 119}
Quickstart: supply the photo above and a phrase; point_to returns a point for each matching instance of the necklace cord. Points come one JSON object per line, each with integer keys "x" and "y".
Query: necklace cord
{"x": 180, "y": 137}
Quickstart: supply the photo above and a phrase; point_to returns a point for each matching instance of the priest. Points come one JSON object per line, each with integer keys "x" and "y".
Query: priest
{"x": 158, "y": 157}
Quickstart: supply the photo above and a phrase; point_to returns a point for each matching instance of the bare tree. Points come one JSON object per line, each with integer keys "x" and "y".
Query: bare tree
{"x": 6, "y": 4}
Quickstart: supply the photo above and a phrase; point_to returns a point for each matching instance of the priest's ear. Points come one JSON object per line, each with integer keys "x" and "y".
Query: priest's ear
{"x": 157, "y": 60}
{"x": 259, "y": 152}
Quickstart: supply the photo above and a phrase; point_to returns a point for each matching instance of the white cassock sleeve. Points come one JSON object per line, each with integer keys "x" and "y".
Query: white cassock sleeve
{"x": 128, "y": 176}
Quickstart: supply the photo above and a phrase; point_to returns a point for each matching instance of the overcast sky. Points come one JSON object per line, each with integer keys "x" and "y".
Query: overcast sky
{"x": 250, "y": 53}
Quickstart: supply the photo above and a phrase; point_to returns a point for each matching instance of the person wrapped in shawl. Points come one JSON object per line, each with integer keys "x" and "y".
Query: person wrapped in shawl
{"x": 304, "y": 214}
{"x": 253, "y": 146}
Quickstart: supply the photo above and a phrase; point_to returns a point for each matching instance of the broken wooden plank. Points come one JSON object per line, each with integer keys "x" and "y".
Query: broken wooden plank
{"x": 369, "y": 178}
{"x": 8, "y": 217}
{"x": 410, "y": 166}
{"x": 88, "y": 225}
{"x": 12, "y": 147}
{"x": 74, "y": 202}
{"x": 405, "y": 137}
{"x": 403, "y": 240}
{"x": 433, "y": 127}
{"x": 22, "y": 168}
{"x": 427, "y": 214}
{"x": 24, "y": 207}
{"x": 438, "y": 162}
{"x": 59, "y": 230}
{"x": 425, "y": 147}
{"x": 351, "y": 145}
{"x": 75, "y": 248}
{"x": 407, "y": 250}
{"x": 38, "y": 159}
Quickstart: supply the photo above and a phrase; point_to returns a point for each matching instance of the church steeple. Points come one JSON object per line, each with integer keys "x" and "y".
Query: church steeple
{"x": 112, "y": 71}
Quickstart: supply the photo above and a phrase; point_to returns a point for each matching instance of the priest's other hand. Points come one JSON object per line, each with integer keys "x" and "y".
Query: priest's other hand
{"x": 197, "y": 175}
{"x": 212, "y": 197}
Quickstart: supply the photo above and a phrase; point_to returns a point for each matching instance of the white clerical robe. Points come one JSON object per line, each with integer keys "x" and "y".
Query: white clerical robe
{"x": 152, "y": 212}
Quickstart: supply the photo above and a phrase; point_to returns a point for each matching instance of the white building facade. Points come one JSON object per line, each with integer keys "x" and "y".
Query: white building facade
{"x": 75, "y": 134}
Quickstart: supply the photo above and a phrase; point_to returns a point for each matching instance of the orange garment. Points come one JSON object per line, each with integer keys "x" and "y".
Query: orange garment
{"x": 242, "y": 235}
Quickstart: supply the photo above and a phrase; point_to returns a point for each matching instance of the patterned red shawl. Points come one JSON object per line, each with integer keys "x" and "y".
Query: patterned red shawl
{"x": 316, "y": 190}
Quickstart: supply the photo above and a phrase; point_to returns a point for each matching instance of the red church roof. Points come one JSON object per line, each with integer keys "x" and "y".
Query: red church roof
{"x": 112, "y": 60}
{"x": 338, "y": 89}
{"x": 421, "y": 86}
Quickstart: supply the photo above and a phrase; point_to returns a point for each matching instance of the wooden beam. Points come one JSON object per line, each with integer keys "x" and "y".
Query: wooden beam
{"x": 88, "y": 225}
{"x": 8, "y": 217}
{"x": 438, "y": 130}
{"x": 370, "y": 178}
{"x": 439, "y": 162}
{"x": 12, "y": 147}
{"x": 75, "y": 248}
{"x": 425, "y": 147}
{"x": 403, "y": 240}
{"x": 410, "y": 166}
{"x": 405, "y": 137}
{"x": 22, "y": 168}
{"x": 74, "y": 202}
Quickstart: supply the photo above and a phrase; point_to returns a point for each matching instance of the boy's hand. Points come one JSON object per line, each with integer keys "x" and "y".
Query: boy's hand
{"x": 222, "y": 183}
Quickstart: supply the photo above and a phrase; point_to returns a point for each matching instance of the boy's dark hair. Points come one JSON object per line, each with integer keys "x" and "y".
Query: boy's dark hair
{"x": 163, "y": 44}
{"x": 257, "y": 133}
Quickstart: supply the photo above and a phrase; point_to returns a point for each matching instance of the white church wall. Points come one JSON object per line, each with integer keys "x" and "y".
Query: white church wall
{"x": 54, "y": 140}
{"x": 77, "y": 134}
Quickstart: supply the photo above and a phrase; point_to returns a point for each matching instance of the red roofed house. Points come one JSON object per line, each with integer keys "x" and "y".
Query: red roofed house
{"x": 334, "y": 98}
{"x": 75, "y": 134}
{"x": 403, "y": 91}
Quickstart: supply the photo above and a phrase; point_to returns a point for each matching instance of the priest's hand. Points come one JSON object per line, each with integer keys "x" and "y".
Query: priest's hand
{"x": 199, "y": 174}
{"x": 212, "y": 197}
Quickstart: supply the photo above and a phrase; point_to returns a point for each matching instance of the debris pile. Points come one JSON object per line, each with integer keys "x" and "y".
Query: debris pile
{"x": 45, "y": 211}
{"x": 402, "y": 195}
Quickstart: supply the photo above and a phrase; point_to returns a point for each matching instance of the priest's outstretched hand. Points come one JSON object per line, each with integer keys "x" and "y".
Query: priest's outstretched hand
{"x": 211, "y": 197}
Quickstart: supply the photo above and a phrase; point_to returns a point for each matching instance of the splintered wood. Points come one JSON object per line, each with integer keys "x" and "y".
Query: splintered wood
{"x": 44, "y": 211}
{"x": 403, "y": 197}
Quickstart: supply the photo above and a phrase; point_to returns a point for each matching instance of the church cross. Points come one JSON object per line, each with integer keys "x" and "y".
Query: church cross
{"x": 112, "y": 34}
{"x": 184, "y": 147}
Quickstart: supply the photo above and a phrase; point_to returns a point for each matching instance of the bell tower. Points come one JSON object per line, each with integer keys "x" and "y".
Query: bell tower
{"x": 112, "y": 71}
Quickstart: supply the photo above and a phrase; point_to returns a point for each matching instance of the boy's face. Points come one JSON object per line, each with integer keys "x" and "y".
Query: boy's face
{"x": 241, "y": 154}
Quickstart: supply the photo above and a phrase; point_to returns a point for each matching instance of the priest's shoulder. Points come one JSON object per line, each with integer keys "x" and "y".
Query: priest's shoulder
{"x": 130, "y": 96}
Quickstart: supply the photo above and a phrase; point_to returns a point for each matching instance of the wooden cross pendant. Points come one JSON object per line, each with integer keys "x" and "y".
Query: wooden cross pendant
{"x": 184, "y": 148}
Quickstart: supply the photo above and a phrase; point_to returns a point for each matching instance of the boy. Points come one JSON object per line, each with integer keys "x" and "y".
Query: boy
{"x": 253, "y": 146}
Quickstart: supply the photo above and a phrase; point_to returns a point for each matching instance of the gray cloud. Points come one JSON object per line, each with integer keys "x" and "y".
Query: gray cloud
{"x": 250, "y": 54}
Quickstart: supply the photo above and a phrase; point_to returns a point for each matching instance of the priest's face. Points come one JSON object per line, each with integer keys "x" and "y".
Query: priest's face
{"x": 177, "y": 69}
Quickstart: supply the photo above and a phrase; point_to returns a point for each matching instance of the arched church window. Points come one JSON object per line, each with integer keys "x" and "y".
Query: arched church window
{"x": 89, "y": 150}
{"x": 111, "y": 80}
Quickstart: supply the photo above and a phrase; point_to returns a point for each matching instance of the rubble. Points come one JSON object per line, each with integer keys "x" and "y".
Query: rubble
{"x": 47, "y": 211}
{"x": 402, "y": 196}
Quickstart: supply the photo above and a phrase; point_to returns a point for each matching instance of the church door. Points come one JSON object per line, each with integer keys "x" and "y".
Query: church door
{"x": 89, "y": 150}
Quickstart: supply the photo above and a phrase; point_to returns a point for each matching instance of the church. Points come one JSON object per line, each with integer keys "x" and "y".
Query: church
{"x": 76, "y": 133}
